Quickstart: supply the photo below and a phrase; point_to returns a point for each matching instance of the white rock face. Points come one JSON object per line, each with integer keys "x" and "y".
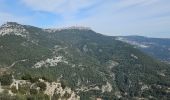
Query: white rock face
{"x": 112, "y": 64}
{"x": 161, "y": 73}
{"x": 135, "y": 57}
{"x": 50, "y": 62}
{"x": 58, "y": 48}
{"x": 144, "y": 87}
{"x": 85, "y": 88}
{"x": 118, "y": 94}
{"x": 85, "y": 49}
{"x": 13, "y": 28}
{"x": 53, "y": 88}
{"x": 107, "y": 87}
{"x": 16, "y": 83}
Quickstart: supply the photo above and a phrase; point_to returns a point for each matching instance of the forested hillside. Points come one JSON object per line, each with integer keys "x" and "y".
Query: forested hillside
{"x": 92, "y": 65}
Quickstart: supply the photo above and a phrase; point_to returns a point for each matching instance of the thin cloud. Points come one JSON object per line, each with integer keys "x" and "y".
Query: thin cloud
{"x": 63, "y": 7}
{"x": 111, "y": 17}
{"x": 6, "y": 17}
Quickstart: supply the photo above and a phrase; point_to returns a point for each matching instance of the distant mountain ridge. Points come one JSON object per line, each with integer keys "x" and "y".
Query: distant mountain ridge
{"x": 156, "y": 47}
{"x": 93, "y": 65}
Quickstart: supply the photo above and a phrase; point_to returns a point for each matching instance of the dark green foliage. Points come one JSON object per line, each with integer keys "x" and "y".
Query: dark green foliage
{"x": 46, "y": 79}
{"x": 33, "y": 91}
{"x": 23, "y": 89}
{"x": 157, "y": 47}
{"x": 63, "y": 84}
{"x": 37, "y": 97}
{"x": 6, "y": 97}
{"x": 13, "y": 89}
{"x": 56, "y": 96}
{"x": 34, "y": 79}
{"x": 42, "y": 86}
{"x": 6, "y": 79}
{"x": 26, "y": 77}
{"x": 66, "y": 95}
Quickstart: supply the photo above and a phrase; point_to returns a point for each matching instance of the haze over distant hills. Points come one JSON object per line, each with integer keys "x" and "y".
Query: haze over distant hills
{"x": 156, "y": 47}
{"x": 78, "y": 64}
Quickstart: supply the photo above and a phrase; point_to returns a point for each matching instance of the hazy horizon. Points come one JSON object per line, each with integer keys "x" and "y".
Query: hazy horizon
{"x": 149, "y": 18}
{"x": 95, "y": 31}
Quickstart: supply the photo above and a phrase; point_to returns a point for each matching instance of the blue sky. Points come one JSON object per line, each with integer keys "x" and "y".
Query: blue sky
{"x": 110, "y": 17}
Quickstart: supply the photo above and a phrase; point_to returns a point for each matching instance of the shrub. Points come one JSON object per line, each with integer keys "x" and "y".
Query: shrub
{"x": 67, "y": 95}
{"x": 13, "y": 89}
{"x": 6, "y": 97}
{"x": 34, "y": 79}
{"x": 42, "y": 86}
{"x": 6, "y": 79}
{"x": 56, "y": 96}
{"x": 23, "y": 89}
{"x": 26, "y": 77}
{"x": 63, "y": 84}
{"x": 33, "y": 91}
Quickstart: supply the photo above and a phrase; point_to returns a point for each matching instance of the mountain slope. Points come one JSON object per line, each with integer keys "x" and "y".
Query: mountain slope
{"x": 93, "y": 65}
{"x": 156, "y": 47}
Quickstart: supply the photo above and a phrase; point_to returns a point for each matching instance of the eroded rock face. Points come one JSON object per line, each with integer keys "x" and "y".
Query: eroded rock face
{"x": 107, "y": 87}
{"x": 52, "y": 88}
{"x": 55, "y": 88}
{"x": 50, "y": 62}
{"x": 14, "y": 29}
